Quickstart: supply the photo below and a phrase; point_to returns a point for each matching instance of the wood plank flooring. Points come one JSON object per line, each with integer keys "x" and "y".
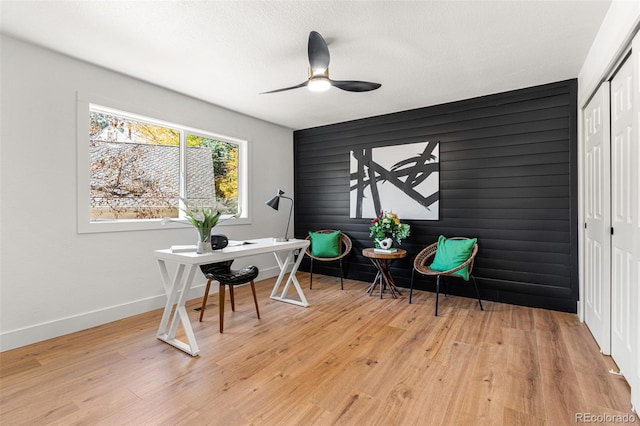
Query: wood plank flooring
{"x": 348, "y": 359}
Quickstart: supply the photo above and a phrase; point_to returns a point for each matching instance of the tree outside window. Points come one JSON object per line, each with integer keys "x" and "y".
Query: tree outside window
{"x": 135, "y": 168}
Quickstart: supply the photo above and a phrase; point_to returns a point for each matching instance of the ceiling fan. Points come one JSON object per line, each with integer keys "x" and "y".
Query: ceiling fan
{"x": 319, "y": 71}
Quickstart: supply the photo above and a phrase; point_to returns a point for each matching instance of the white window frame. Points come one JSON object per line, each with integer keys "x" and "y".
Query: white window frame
{"x": 85, "y": 225}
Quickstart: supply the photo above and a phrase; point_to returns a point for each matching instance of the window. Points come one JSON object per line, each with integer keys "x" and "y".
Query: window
{"x": 139, "y": 170}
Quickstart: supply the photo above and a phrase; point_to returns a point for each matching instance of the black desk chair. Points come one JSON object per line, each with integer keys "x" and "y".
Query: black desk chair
{"x": 223, "y": 273}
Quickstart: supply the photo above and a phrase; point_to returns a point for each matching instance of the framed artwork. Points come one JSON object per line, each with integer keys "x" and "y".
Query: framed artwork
{"x": 404, "y": 179}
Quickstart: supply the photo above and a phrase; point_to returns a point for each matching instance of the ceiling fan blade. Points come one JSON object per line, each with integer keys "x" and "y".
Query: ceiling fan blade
{"x": 319, "y": 71}
{"x": 286, "y": 88}
{"x": 355, "y": 86}
{"x": 318, "y": 53}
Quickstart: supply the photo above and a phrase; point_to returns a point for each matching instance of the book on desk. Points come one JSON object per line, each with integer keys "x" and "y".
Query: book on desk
{"x": 192, "y": 247}
{"x": 183, "y": 248}
{"x": 233, "y": 243}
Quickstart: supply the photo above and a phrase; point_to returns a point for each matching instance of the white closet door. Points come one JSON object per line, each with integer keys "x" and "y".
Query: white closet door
{"x": 635, "y": 277}
{"x": 597, "y": 287}
{"x": 624, "y": 196}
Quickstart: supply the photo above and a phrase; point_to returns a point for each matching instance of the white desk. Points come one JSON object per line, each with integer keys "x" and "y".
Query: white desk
{"x": 190, "y": 261}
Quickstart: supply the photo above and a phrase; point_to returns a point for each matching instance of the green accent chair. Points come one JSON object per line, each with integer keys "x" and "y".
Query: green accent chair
{"x": 458, "y": 262}
{"x": 342, "y": 249}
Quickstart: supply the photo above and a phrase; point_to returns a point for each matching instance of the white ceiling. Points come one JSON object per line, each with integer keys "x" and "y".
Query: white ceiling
{"x": 227, "y": 52}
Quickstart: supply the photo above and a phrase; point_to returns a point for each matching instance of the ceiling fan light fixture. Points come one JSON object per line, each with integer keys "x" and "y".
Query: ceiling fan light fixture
{"x": 318, "y": 80}
{"x": 319, "y": 84}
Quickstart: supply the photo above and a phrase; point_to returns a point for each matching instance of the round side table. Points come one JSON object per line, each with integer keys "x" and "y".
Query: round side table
{"x": 382, "y": 262}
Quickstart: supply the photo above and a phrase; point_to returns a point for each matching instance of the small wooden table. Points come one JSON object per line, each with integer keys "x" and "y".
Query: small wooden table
{"x": 382, "y": 262}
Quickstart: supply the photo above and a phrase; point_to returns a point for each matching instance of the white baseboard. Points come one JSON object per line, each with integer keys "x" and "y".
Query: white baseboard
{"x": 579, "y": 310}
{"x": 47, "y": 330}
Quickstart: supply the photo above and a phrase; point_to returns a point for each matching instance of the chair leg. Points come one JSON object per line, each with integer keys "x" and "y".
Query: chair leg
{"x": 477, "y": 292}
{"x": 255, "y": 299}
{"x": 341, "y": 276}
{"x": 221, "y": 299}
{"x": 413, "y": 272}
{"x": 311, "y": 274}
{"x": 233, "y": 299}
{"x": 204, "y": 299}
{"x": 437, "y": 292}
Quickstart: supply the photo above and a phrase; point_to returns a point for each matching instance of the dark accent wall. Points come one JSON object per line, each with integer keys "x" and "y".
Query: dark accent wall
{"x": 508, "y": 176}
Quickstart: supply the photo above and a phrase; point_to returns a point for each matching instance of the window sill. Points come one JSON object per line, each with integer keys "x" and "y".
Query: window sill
{"x": 147, "y": 225}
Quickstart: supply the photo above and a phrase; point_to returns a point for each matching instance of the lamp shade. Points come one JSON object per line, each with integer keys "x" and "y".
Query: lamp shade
{"x": 274, "y": 203}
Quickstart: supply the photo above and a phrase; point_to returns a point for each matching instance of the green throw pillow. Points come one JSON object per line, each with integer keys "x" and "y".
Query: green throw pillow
{"x": 325, "y": 245}
{"x": 453, "y": 253}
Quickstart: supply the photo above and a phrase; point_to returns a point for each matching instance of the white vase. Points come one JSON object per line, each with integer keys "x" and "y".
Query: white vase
{"x": 386, "y": 243}
{"x": 204, "y": 247}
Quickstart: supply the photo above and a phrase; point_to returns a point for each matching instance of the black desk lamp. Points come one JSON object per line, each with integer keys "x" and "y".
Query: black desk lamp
{"x": 274, "y": 203}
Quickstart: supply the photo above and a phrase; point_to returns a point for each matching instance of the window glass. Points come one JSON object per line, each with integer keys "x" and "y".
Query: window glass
{"x": 212, "y": 173}
{"x": 136, "y": 172}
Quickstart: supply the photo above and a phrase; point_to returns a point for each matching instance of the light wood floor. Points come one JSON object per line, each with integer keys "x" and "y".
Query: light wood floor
{"x": 347, "y": 359}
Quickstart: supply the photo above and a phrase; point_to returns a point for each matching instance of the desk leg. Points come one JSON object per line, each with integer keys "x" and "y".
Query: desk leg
{"x": 291, "y": 279}
{"x": 180, "y": 315}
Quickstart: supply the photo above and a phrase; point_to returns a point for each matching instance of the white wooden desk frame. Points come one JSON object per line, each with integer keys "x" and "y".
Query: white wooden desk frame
{"x": 177, "y": 289}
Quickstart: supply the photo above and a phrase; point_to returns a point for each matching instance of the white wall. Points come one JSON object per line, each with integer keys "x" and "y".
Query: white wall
{"x": 614, "y": 36}
{"x": 611, "y": 42}
{"x": 54, "y": 281}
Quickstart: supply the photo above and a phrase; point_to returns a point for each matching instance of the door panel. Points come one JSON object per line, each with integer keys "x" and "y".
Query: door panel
{"x": 635, "y": 179}
{"x": 624, "y": 194}
{"x": 597, "y": 287}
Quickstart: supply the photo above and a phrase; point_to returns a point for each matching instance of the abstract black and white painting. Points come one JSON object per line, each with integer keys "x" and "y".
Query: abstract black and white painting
{"x": 404, "y": 179}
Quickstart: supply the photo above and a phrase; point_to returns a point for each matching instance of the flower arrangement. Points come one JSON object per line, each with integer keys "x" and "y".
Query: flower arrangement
{"x": 203, "y": 218}
{"x": 387, "y": 225}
